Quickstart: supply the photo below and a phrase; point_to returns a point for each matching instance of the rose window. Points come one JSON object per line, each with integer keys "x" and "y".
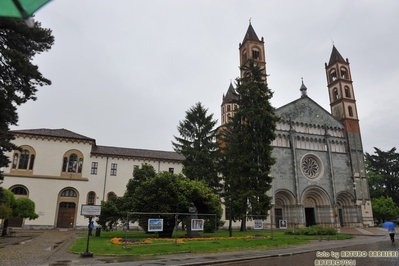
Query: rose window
{"x": 310, "y": 167}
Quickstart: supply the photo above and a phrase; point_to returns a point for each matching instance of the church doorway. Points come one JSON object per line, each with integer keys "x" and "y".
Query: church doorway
{"x": 310, "y": 217}
{"x": 278, "y": 214}
{"x": 66, "y": 215}
{"x": 341, "y": 218}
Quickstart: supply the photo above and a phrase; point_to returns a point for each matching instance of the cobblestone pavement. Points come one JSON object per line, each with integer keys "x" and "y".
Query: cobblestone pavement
{"x": 50, "y": 248}
{"x": 47, "y": 247}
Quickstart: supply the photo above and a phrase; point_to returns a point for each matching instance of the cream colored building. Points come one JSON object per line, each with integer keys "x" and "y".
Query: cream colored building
{"x": 60, "y": 170}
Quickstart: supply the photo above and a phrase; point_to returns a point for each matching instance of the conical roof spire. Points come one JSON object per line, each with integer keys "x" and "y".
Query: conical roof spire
{"x": 231, "y": 95}
{"x": 335, "y": 56}
{"x": 303, "y": 90}
{"x": 251, "y": 34}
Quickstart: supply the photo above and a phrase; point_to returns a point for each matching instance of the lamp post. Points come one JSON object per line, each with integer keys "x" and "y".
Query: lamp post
{"x": 230, "y": 217}
{"x": 88, "y": 254}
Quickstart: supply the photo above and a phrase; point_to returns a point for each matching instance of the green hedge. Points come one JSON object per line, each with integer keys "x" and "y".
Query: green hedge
{"x": 311, "y": 230}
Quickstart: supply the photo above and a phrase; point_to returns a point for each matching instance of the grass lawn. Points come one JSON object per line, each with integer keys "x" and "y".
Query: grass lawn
{"x": 208, "y": 243}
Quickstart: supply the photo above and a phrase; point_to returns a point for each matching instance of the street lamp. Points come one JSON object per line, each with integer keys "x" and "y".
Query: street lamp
{"x": 230, "y": 217}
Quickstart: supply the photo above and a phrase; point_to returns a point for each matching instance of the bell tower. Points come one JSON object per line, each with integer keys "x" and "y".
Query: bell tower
{"x": 343, "y": 108}
{"x": 252, "y": 48}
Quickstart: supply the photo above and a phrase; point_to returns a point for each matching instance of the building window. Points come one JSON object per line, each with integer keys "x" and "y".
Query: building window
{"x": 335, "y": 94}
{"x": 244, "y": 56}
{"x": 15, "y": 161}
{"x": 94, "y": 167}
{"x": 23, "y": 160}
{"x": 72, "y": 163}
{"x": 111, "y": 195}
{"x": 171, "y": 170}
{"x": 19, "y": 191}
{"x": 113, "y": 169}
{"x": 255, "y": 54}
{"x": 333, "y": 75}
{"x": 344, "y": 74}
{"x": 347, "y": 92}
{"x": 69, "y": 193}
{"x": 310, "y": 167}
{"x": 91, "y": 198}
{"x": 350, "y": 110}
{"x": 228, "y": 108}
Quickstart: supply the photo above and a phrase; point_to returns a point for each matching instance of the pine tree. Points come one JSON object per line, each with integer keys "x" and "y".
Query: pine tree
{"x": 18, "y": 76}
{"x": 197, "y": 143}
{"x": 246, "y": 146}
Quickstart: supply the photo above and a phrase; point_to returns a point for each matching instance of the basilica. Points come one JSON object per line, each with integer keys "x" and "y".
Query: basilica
{"x": 319, "y": 176}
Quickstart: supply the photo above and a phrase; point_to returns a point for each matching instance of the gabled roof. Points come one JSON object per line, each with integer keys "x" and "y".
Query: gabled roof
{"x": 46, "y": 132}
{"x": 230, "y": 96}
{"x": 136, "y": 153}
{"x": 335, "y": 56}
{"x": 250, "y": 35}
{"x": 305, "y": 110}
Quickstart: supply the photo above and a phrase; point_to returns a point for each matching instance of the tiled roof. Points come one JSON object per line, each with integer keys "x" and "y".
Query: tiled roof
{"x": 137, "y": 153}
{"x": 59, "y": 133}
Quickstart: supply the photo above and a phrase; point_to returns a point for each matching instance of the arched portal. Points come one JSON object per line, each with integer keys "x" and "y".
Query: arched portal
{"x": 317, "y": 206}
{"x": 67, "y": 201}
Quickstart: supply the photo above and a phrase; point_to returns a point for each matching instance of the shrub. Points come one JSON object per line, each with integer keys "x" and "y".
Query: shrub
{"x": 311, "y": 230}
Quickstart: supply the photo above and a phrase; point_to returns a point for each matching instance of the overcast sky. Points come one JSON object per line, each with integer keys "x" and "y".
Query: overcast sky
{"x": 125, "y": 72}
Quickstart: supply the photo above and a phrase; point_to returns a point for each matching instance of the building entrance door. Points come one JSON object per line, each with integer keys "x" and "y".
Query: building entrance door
{"x": 310, "y": 217}
{"x": 66, "y": 215}
{"x": 278, "y": 214}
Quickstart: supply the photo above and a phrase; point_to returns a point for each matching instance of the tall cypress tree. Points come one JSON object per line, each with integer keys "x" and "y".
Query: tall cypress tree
{"x": 246, "y": 146}
{"x": 197, "y": 143}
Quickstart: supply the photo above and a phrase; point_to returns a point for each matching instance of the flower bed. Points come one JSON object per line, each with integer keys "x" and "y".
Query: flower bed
{"x": 121, "y": 241}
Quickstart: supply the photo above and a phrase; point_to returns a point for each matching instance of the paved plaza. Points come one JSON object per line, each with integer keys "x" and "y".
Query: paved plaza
{"x": 50, "y": 248}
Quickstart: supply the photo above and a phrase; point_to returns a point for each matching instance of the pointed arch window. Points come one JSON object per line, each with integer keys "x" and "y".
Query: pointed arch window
{"x": 228, "y": 108}
{"x": 244, "y": 56}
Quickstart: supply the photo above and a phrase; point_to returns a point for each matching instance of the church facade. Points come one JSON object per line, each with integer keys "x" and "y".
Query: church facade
{"x": 319, "y": 176}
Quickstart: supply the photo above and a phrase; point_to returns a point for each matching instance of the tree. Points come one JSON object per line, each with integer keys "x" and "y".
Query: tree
{"x": 197, "y": 143}
{"x": 18, "y": 76}
{"x": 246, "y": 146}
{"x": 111, "y": 212}
{"x": 383, "y": 173}
{"x": 11, "y": 207}
{"x": 384, "y": 209}
{"x": 168, "y": 193}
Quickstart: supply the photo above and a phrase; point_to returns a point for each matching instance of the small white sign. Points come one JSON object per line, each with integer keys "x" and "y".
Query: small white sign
{"x": 258, "y": 224}
{"x": 91, "y": 210}
{"x": 283, "y": 224}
